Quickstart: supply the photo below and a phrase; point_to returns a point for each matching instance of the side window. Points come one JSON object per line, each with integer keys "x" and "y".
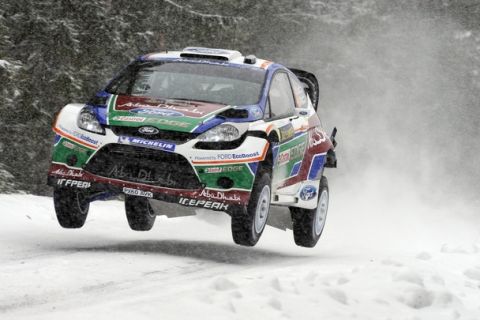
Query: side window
{"x": 280, "y": 96}
{"x": 299, "y": 93}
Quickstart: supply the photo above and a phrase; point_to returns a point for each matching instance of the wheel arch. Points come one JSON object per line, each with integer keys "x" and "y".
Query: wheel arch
{"x": 267, "y": 163}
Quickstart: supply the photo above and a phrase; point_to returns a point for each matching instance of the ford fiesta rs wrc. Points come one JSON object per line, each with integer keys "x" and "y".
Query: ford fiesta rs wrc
{"x": 198, "y": 129}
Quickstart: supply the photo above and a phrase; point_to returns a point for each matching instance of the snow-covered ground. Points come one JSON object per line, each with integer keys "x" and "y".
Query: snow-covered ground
{"x": 376, "y": 260}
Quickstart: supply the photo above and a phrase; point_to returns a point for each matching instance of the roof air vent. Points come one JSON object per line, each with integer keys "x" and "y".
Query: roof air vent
{"x": 209, "y": 53}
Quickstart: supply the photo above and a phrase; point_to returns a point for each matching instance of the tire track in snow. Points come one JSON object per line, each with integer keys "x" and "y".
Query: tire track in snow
{"x": 168, "y": 279}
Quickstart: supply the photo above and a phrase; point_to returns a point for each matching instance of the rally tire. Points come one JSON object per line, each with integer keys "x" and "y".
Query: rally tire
{"x": 140, "y": 215}
{"x": 71, "y": 207}
{"x": 249, "y": 222}
{"x": 308, "y": 224}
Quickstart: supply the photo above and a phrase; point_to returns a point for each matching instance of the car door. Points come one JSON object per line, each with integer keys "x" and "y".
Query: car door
{"x": 291, "y": 127}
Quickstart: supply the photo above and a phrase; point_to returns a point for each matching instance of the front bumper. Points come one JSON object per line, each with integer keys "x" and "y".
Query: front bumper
{"x": 62, "y": 176}
{"x": 179, "y": 173}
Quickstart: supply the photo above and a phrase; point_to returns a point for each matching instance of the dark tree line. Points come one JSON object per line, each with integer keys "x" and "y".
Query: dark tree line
{"x": 56, "y": 52}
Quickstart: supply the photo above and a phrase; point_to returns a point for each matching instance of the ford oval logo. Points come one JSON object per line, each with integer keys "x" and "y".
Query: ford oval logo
{"x": 148, "y": 130}
{"x": 157, "y": 112}
{"x": 308, "y": 192}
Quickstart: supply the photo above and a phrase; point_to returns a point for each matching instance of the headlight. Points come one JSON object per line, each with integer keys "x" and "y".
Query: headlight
{"x": 88, "y": 121}
{"x": 223, "y": 132}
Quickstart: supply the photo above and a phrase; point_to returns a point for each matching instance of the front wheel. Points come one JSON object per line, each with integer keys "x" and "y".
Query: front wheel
{"x": 308, "y": 224}
{"x": 71, "y": 207}
{"x": 248, "y": 223}
{"x": 140, "y": 214}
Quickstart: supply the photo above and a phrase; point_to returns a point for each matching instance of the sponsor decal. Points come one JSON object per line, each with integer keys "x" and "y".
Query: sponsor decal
{"x": 157, "y": 112}
{"x": 219, "y": 195}
{"x": 129, "y": 118}
{"x": 283, "y": 157}
{"x": 153, "y": 100}
{"x": 130, "y": 106}
{"x": 69, "y": 172}
{"x": 69, "y": 145}
{"x": 155, "y": 144}
{"x": 193, "y": 109}
{"x": 168, "y": 122}
{"x": 73, "y": 183}
{"x": 317, "y": 136}
{"x": 308, "y": 192}
{"x": 131, "y": 173}
{"x": 297, "y": 151}
{"x": 79, "y": 135}
{"x": 228, "y": 156}
{"x": 136, "y": 192}
{"x": 148, "y": 130}
{"x": 203, "y": 204}
{"x": 286, "y": 132}
{"x": 223, "y": 169}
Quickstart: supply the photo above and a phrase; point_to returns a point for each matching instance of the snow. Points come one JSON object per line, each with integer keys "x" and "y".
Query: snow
{"x": 4, "y": 63}
{"x": 425, "y": 264}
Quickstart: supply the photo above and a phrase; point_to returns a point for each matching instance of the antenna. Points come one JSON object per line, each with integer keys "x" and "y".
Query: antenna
{"x": 235, "y": 36}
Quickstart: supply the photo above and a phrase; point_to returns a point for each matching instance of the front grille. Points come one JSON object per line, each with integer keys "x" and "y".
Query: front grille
{"x": 143, "y": 165}
{"x": 175, "y": 136}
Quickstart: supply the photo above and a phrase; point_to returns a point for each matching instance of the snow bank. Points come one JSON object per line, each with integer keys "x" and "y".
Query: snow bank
{"x": 188, "y": 267}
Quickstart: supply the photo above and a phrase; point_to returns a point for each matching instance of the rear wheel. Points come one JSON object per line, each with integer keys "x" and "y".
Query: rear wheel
{"x": 308, "y": 224}
{"x": 249, "y": 222}
{"x": 71, "y": 207}
{"x": 140, "y": 214}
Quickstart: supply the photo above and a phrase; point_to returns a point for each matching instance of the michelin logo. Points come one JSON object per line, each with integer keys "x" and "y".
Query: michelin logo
{"x": 155, "y": 144}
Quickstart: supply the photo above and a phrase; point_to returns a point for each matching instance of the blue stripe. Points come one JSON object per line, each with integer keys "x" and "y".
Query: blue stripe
{"x": 101, "y": 114}
{"x": 317, "y": 164}
{"x": 295, "y": 169}
{"x": 208, "y": 125}
{"x": 253, "y": 166}
{"x": 274, "y": 154}
{"x": 57, "y": 139}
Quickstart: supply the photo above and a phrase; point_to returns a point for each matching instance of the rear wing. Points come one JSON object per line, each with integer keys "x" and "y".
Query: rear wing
{"x": 311, "y": 85}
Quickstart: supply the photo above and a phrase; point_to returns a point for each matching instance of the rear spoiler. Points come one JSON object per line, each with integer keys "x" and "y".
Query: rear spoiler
{"x": 311, "y": 85}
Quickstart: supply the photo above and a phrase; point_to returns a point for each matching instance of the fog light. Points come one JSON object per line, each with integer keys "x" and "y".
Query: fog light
{"x": 225, "y": 182}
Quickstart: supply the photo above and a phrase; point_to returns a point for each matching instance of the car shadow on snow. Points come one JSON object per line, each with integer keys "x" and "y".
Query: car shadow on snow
{"x": 202, "y": 250}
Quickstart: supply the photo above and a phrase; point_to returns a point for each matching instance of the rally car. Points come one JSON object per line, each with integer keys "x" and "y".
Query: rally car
{"x": 201, "y": 129}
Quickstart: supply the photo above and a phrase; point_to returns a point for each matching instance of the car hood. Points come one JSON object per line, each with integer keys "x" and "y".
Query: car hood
{"x": 164, "y": 114}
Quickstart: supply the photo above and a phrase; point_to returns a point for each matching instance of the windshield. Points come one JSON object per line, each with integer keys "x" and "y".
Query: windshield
{"x": 190, "y": 81}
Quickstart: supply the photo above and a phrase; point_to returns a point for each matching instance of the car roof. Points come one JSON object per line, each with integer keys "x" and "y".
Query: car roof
{"x": 212, "y": 54}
